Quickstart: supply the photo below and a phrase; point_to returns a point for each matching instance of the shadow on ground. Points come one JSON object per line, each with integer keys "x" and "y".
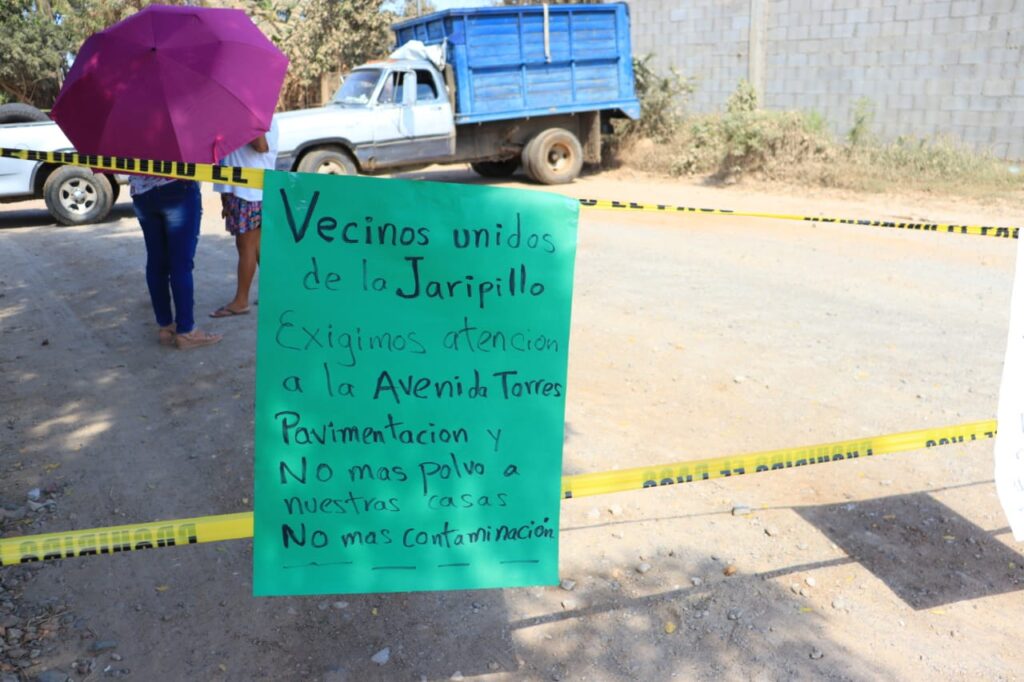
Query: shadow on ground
{"x": 12, "y": 217}
{"x": 926, "y": 553}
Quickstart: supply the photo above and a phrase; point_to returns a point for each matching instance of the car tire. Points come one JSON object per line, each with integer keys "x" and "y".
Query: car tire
{"x": 496, "y": 169}
{"x": 21, "y": 113}
{"x": 328, "y": 161}
{"x": 553, "y": 157}
{"x": 115, "y": 189}
{"x": 76, "y": 196}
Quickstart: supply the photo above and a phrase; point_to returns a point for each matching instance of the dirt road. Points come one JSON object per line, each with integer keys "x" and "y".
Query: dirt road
{"x": 692, "y": 336}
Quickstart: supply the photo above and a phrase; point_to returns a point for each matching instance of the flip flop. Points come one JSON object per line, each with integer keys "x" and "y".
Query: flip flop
{"x": 225, "y": 311}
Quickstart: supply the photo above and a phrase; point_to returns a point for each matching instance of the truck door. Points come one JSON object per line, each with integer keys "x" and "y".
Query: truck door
{"x": 429, "y": 116}
{"x": 390, "y": 130}
{"x": 413, "y": 120}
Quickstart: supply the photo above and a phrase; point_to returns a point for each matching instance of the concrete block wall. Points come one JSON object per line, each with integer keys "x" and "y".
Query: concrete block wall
{"x": 927, "y": 67}
{"x": 703, "y": 38}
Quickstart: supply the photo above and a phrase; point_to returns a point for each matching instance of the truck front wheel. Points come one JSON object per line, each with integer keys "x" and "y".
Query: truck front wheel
{"x": 75, "y": 196}
{"x": 496, "y": 169}
{"x": 328, "y": 161}
{"x": 553, "y": 157}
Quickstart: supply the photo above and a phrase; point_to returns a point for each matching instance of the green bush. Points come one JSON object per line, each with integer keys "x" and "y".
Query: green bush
{"x": 768, "y": 142}
{"x": 662, "y": 102}
{"x": 741, "y": 141}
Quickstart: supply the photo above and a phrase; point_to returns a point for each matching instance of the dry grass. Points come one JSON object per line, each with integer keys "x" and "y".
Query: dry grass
{"x": 797, "y": 148}
{"x": 783, "y": 147}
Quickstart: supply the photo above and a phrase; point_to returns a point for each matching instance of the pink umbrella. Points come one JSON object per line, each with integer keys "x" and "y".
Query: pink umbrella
{"x": 172, "y": 83}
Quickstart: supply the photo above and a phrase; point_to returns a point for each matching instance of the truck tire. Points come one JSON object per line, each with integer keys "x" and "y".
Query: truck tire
{"x": 76, "y": 196}
{"x": 553, "y": 157}
{"x": 21, "y": 113}
{"x": 328, "y": 161}
{"x": 496, "y": 169}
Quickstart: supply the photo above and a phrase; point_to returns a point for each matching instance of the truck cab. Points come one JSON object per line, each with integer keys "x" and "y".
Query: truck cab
{"x": 386, "y": 114}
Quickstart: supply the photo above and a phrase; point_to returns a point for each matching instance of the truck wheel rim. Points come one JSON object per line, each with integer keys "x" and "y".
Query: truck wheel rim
{"x": 559, "y": 157}
{"x": 77, "y": 196}
{"x": 330, "y": 168}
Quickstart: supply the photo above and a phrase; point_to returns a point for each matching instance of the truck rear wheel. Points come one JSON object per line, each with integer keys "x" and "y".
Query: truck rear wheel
{"x": 553, "y": 157}
{"x": 76, "y": 196}
{"x": 496, "y": 169}
{"x": 328, "y": 161}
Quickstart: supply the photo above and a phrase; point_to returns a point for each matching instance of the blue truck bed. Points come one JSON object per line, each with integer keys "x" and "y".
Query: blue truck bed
{"x": 506, "y": 65}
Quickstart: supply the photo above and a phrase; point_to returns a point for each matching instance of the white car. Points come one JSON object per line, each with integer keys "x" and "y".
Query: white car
{"x": 73, "y": 195}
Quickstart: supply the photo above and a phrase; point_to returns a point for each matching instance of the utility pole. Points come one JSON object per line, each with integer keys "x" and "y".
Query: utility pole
{"x": 756, "y": 49}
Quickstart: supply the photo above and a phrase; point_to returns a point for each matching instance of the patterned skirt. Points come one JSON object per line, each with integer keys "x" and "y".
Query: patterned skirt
{"x": 243, "y": 216}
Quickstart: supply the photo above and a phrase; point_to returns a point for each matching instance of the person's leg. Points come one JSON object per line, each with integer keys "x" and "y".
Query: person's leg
{"x": 182, "y": 214}
{"x": 243, "y": 220}
{"x": 248, "y": 244}
{"x": 151, "y": 220}
{"x": 255, "y": 301}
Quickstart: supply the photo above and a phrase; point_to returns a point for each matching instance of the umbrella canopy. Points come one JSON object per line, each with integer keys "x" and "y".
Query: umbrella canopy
{"x": 172, "y": 83}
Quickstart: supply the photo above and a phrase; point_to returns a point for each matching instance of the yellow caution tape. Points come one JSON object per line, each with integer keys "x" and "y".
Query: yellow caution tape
{"x": 980, "y": 230}
{"x": 179, "y": 170}
{"x": 116, "y": 539}
{"x": 253, "y": 177}
{"x": 131, "y": 538}
{"x": 583, "y": 485}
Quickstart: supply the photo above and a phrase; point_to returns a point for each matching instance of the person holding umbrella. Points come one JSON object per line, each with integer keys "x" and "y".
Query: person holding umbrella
{"x": 170, "y": 212}
{"x": 171, "y": 83}
{"x": 242, "y": 210}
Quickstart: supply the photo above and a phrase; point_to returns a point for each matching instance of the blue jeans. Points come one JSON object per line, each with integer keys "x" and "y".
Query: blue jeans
{"x": 170, "y": 216}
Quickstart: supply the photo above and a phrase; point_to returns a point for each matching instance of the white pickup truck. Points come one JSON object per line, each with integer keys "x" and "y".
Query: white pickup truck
{"x": 394, "y": 113}
{"x": 73, "y": 195}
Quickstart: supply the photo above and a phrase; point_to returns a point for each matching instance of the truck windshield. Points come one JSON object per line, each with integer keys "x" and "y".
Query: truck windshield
{"x": 358, "y": 87}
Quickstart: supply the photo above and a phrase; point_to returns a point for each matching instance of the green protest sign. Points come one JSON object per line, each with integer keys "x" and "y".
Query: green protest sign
{"x": 410, "y": 385}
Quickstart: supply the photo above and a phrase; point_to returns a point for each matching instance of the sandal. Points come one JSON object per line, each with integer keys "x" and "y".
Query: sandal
{"x": 196, "y": 339}
{"x": 225, "y": 311}
{"x": 166, "y": 335}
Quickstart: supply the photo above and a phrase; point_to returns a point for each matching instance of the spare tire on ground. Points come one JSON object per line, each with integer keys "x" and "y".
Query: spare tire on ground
{"x": 21, "y": 113}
